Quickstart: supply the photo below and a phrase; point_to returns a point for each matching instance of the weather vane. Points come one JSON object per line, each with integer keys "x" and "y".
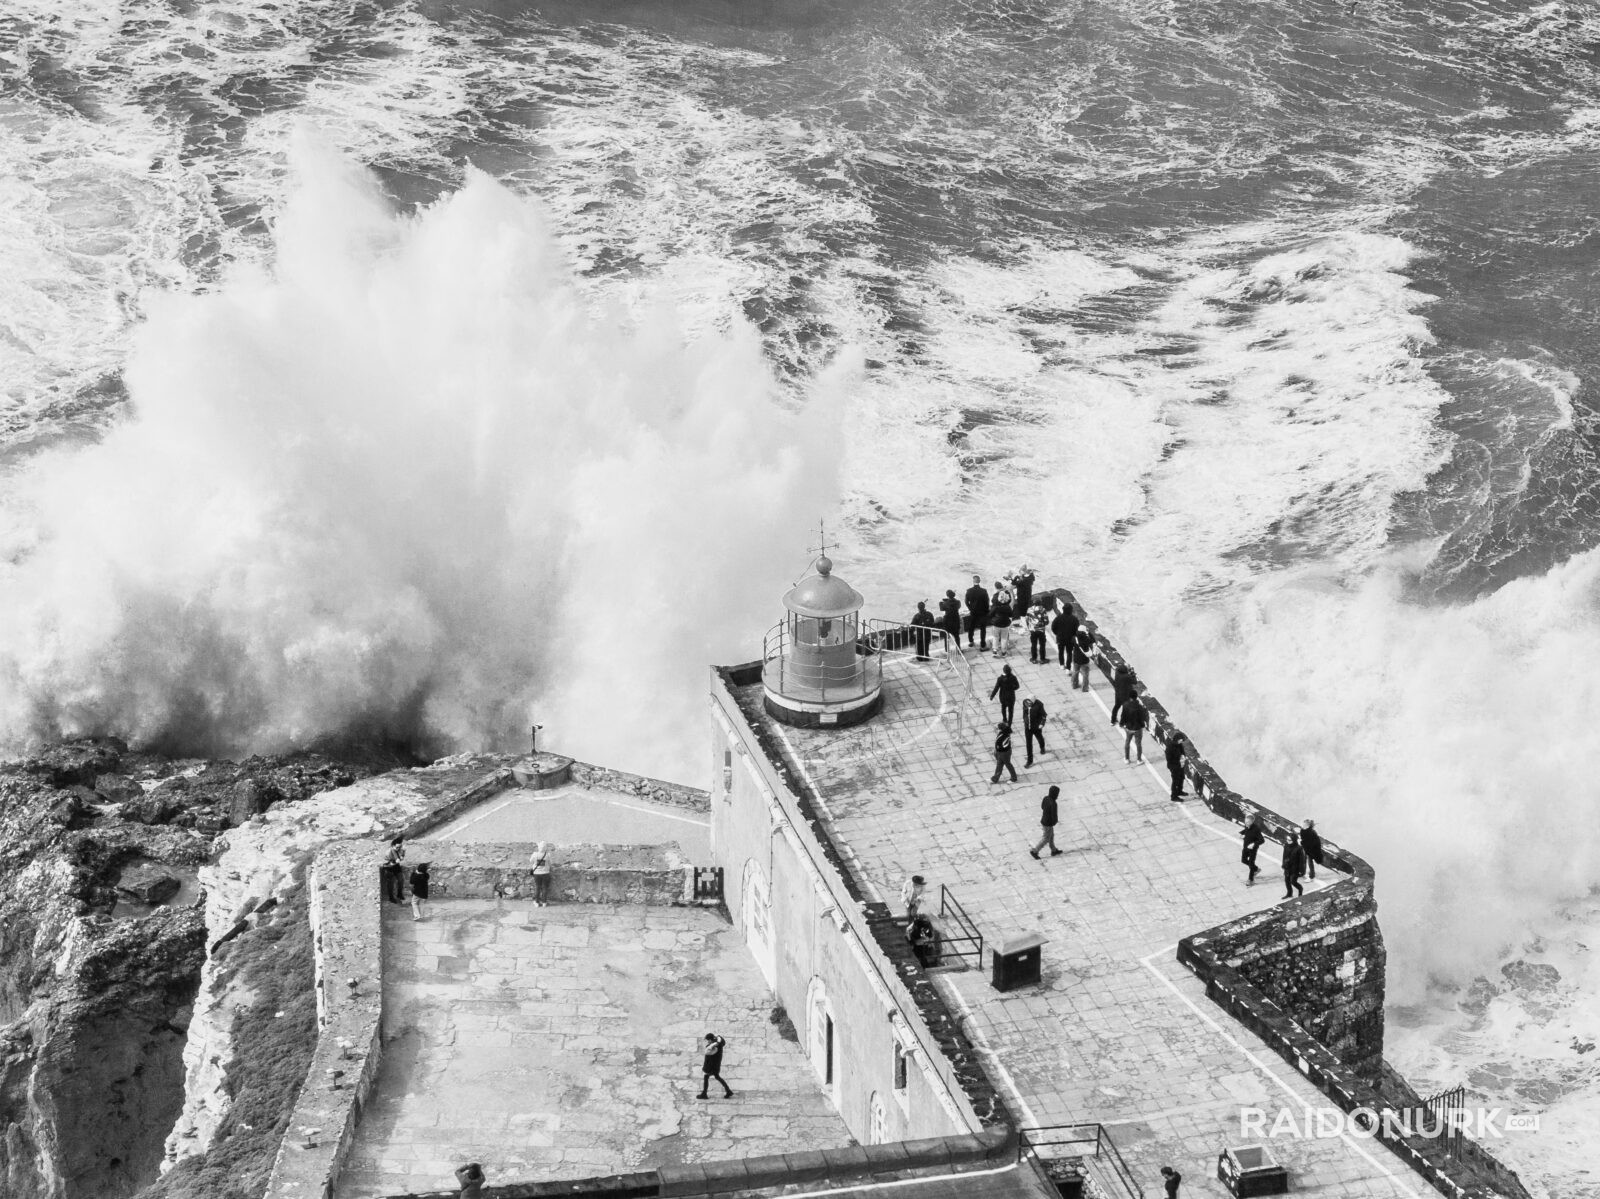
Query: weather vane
{"x": 822, "y": 537}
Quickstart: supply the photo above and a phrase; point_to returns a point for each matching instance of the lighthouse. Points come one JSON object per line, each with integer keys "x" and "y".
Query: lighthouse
{"x": 816, "y": 669}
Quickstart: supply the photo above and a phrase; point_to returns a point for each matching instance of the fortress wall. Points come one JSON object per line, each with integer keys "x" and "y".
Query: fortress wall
{"x": 826, "y": 950}
{"x": 674, "y": 795}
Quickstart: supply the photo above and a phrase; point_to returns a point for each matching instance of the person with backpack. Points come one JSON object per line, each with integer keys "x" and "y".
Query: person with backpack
{"x": 1254, "y": 837}
{"x": 540, "y": 861}
{"x": 1006, "y": 685}
{"x": 1033, "y": 718}
{"x": 1002, "y": 753}
{"x": 1065, "y": 629}
{"x": 1134, "y": 719}
{"x": 1048, "y": 819}
{"x": 977, "y": 613}
{"x": 711, "y": 1065}
{"x": 1082, "y": 658}
{"x": 1294, "y": 867}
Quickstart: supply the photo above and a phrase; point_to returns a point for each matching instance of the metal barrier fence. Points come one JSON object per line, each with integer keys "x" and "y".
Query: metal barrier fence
{"x": 950, "y": 910}
{"x": 1437, "y": 1113}
{"x": 894, "y": 638}
{"x": 1081, "y": 1140}
{"x": 861, "y": 676}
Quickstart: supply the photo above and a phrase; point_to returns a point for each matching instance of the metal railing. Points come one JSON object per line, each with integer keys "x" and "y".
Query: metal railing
{"x": 897, "y": 639}
{"x": 1437, "y": 1111}
{"x": 809, "y": 680}
{"x": 1081, "y": 1140}
{"x": 969, "y": 936}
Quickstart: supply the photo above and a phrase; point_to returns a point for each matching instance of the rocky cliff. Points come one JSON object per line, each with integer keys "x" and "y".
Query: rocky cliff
{"x": 103, "y": 939}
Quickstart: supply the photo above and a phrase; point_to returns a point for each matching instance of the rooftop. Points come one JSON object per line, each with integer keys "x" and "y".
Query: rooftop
{"x": 1119, "y": 1033}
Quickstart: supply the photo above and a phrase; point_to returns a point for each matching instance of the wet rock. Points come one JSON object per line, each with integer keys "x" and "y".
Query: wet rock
{"x": 77, "y": 762}
{"x": 157, "y": 807}
{"x": 69, "y": 812}
{"x": 249, "y": 798}
{"x": 1530, "y": 976}
{"x": 148, "y": 883}
{"x": 118, "y": 788}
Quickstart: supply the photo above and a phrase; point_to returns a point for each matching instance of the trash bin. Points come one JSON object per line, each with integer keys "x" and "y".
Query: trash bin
{"x": 1248, "y": 1170}
{"x": 1016, "y": 962}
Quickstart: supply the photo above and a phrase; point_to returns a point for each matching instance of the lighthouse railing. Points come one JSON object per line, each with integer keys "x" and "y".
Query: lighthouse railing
{"x": 818, "y": 681}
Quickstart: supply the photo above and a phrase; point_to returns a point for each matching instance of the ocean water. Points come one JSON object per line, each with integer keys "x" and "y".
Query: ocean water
{"x": 438, "y": 369}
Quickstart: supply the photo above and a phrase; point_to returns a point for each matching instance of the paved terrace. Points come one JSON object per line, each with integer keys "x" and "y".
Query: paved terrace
{"x": 562, "y": 1042}
{"x": 1119, "y": 1033}
{"x": 573, "y": 814}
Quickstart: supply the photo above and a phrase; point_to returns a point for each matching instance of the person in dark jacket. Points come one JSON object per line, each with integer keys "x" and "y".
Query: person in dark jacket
{"x": 1082, "y": 658}
{"x": 1134, "y": 719}
{"x": 711, "y": 1066}
{"x": 922, "y": 623}
{"x": 1047, "y": 821}
{"x": 1122, "y": 686}
{"x": 1033, "y": 718}
{"x": 1254, "y": 837}
{"x": 419, "y": 891}
{"x": 1176, "y": 744}
{"x": 1065, "y": 629}
{"x": 1294, "y": 867}
{"x": 1002, "y": 753}
{"x": 978, "y": 613}
{"x": 924, "y": 940}
{"x": 1311, "y": 842}
{"x": 1000, "y": 618}
{"x": 1170, "y": 1179}
{"x": 393, "y": 871}
{"x": 470, "y": 1178}
{"x": 1005, "y": 686}
{"x": 1023, "y": 582}
{"x": 950, "y": 618}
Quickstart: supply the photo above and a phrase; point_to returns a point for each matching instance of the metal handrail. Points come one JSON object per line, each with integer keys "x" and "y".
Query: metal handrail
{"x": 1094, "y": 1135}
{"x": 950, "y": 908}
{"x": 968, "y": 708}
{"x": 845, "y": 682}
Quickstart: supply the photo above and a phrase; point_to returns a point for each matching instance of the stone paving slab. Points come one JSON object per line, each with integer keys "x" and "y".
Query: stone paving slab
{"x": 1118, "y": 1033}
{"x": 562, "y": 1042}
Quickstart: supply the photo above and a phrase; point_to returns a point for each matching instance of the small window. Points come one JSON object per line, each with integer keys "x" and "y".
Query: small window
{"x": 901, "y": 1062}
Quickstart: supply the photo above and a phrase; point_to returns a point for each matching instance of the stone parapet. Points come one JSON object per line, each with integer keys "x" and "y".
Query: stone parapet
{"x": 346, "y": 924}
{"x": 616, "y": 874}
{"x": 673, "y": 795}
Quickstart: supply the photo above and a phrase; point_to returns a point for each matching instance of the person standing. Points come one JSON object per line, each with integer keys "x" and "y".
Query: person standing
{"x": 470, "y": 1178}
{"x": 1000, "y": 616}
{"x": 1254, "y": 837}
{"x": 950, "y": 618}
{"x": 922, "y": 625}
{"x": 1033, "y": 718}
{"x": 977, "y": 613}
{"x": 541, "y": 874}
{"x": 911, "y": 895}
{"x": 1122, "y": 685}
{"x": 1023, "y": 581}
{"x": 1170, "y": 1179}
{"x": 1065, "y": 628}
{"x": 1047, "y": 821}
{"x": 1082, "y": 658}
{"x": 1038, "y": 634}
{"x": 1294, "y": 867}
{"x": 1135, "y": 719}
{"x": 711, "y": 1066}
{"x": 393, "y": 871}
{"x": 924, "y": 939}
{"x": 1002, "y": 753}
{"x": 1176, "y": 743}
{"x": 1006, "y": 686}
{"x": 1311, "y": 842}
{"x": 419, "y": 891}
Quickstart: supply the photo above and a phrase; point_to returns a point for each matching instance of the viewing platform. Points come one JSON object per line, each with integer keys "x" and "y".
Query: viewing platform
{"x": 1117, "y": 1033}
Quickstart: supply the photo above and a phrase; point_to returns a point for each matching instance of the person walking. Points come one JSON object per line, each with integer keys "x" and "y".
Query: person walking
{"x": 711, "y": 1066}
{"x": 1065, "y": 629}
{"x": 1000, "y": 617}
{"x": 1170, "y": 1179}
{"x": 470, "y": 1178}
{"x": 1038, "y": 634}
{"x": 1006, "y": 686}
{"x": 1082, "y": 658}
{"x": 1123, "y": 684}
{"x": 393, "y": 871}
{"x": 922, "y": 626}
{"x": 977, "y": 613}
{"x": 1254, "y": 837}
{"x": 1176, "y": 744}
{"x": 950, "y": 619}
{"x": 1047, "y": 821}
{"x": 1294, "y": 867}
{"x": 911, "y": 892}
{"x": 1033, "y": 718}
{"x": 1134, "y": 719}
{"x": 541, "y": 874}
{"x": 1002, "y": 753}
{"x": 1311, "y": 842}
{"x": 419, "y": 891}
{"x": 924, "y": 940}
{"x": 1023, "y": 582}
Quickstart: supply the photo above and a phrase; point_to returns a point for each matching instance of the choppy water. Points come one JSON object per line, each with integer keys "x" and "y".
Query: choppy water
{"x": 1269, "y": 327}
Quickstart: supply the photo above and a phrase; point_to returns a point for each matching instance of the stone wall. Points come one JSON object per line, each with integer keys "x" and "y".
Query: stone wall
{"x": 346, "y": 923}
{"x": 674, "y": 795}
{"x": 642, "y": 874}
